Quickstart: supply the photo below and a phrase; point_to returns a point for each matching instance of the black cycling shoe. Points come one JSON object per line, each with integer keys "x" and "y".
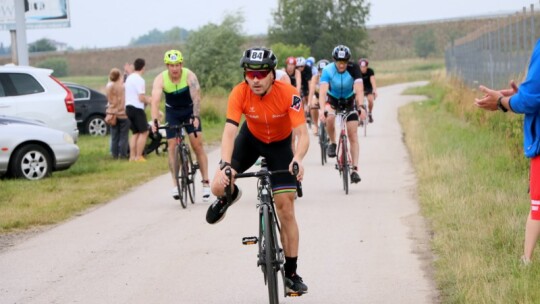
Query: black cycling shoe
{"x": 216, "y": 211}
{"x": 331, "y": 150}
{"x": 370, "y": 118}
{"x": 295, "y": 285}
{"x": 355, "y": 178}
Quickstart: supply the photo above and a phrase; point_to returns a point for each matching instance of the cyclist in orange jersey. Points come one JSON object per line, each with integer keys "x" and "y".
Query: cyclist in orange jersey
{"x": 273, "y": 110}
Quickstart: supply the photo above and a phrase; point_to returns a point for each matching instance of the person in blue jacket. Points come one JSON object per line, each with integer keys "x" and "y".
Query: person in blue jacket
{"x": 525, "y": 100}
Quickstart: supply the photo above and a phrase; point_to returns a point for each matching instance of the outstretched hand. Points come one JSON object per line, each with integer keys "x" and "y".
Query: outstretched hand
{"x": 489, "y": 100}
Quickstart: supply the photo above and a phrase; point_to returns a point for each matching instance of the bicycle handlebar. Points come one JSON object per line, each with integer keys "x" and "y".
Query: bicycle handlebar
{"x": 262, "y": 173}
{"x": 173, "y": 127}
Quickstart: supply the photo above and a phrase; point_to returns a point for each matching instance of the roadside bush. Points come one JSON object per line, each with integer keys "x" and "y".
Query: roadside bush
{"x": 59, "y": 65}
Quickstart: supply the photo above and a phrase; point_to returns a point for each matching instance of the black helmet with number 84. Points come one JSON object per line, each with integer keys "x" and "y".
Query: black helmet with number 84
{"x": 258, "y": 59}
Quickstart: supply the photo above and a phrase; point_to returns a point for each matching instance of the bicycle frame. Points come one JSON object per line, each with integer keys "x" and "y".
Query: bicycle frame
{"x": 343, "y": 137}
{"x": 184, "y": 168}
{"x": 271, "y": 257}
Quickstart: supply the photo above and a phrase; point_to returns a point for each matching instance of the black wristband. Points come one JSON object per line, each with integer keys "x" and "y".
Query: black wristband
{"x": 500, "y": 105}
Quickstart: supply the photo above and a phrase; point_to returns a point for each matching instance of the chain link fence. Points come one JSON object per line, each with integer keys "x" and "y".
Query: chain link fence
{"x": 497, "y": 52}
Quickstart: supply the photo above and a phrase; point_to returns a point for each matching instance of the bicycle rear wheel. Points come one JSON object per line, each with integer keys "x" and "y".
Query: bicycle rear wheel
{"x": 345, "y": 164}
{"x": 178, "y": 175}
{"x": 191, "y": 171}
{"x": 271, "y": 263}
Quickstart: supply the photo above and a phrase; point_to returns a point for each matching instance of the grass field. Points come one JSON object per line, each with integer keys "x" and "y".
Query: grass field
{"x": 472, "y": 187}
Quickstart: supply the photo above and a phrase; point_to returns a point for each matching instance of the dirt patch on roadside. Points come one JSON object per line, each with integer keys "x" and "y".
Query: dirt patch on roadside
{"x": 10, "y": 239}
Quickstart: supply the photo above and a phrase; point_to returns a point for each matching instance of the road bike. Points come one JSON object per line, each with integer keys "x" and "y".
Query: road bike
{"x": 323, "y": 141}
{"x": 343, "y": 154}
{"x": 271, "y": 257}
{"x": 184, "y": 167}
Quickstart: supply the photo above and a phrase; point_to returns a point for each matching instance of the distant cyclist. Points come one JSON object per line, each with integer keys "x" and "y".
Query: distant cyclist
{"x": 341, "y": 81}
{"x": 272, "y": 111}
{"x": 313, "y": 95}
{"x": 370, "y": 87}
{"x": 182, "y": 104}
{"x": 293, "y": 73}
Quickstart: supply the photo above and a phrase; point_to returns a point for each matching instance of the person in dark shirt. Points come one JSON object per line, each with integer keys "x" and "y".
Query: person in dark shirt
{"x": 370, "y": 87}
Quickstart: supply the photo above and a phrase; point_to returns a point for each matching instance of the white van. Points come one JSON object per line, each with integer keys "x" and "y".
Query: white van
{"x": 34, "y": 93}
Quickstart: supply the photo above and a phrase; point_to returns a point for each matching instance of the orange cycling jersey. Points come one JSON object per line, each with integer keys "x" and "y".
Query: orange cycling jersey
{"x": 269, "y": 118}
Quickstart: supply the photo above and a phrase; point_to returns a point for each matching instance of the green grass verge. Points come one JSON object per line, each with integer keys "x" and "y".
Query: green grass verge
{"x": 472, "y": 187}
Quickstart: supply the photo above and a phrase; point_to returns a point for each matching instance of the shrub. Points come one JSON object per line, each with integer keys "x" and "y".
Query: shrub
{"x": 59, "y": 65}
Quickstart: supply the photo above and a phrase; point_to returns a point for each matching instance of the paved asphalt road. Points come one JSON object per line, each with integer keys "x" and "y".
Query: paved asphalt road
{"x": 366, "y": 247}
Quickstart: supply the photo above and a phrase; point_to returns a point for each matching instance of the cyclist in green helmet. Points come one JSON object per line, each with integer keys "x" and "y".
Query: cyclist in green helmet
{"x": 182, "y": 104}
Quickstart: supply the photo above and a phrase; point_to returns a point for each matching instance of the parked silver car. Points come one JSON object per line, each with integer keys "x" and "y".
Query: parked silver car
{"x": 29, "y": 149}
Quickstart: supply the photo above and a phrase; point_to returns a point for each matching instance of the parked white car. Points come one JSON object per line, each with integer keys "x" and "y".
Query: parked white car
{"x": 34, "y": 93}
{"x": 31, "y": 150}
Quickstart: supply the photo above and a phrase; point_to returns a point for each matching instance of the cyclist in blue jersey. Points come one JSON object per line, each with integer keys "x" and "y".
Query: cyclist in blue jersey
{"x": 342, "y": 81}
{"x": 182, "y": 104}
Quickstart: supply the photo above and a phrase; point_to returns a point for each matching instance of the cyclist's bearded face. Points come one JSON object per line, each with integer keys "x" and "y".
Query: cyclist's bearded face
{"x": 174, "y": 69}
{"x": 341, "y": 65}
{"x": 259, "y": 80}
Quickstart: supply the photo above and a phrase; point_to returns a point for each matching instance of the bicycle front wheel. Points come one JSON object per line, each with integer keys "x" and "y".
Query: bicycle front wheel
{"x": 178, "y": 169}
{"x": 191, "y": 171}
{"x": 345, "y": 164}
{"x": 323, "y": 142}
{"x": 270, "y": 255}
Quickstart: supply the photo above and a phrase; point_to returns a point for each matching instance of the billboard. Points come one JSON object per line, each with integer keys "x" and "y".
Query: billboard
{"x": 39, "y": 14}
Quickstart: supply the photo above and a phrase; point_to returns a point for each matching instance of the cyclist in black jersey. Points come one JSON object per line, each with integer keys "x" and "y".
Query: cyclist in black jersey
{"x": 293, "y": 73}
{"x": 370, "y": 87}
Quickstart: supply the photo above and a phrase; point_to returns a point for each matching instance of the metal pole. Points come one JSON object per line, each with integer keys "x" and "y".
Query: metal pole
{"x": 22, "y": 47}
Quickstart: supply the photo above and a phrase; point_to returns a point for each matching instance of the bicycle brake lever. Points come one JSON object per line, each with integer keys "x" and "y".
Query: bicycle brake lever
{"x": 296, "y": 169}
{"x": 228, "y": 193}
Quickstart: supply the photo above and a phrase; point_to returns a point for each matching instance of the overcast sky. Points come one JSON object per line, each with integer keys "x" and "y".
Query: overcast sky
{"x": 109, "y": 23}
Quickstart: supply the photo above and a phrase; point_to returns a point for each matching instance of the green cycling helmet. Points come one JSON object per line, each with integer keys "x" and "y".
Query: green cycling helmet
{"x": 173, "y": 57}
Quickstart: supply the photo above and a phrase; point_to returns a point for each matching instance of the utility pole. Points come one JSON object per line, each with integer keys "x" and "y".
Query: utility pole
{"x": 19, "y": 54}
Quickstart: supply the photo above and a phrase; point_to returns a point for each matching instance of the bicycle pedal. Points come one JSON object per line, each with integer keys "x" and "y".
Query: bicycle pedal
{"x": 250, "y": 240}
{"x": 294, "y": 294}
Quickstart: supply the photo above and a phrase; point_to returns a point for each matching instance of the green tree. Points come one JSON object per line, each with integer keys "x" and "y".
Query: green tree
{"x": 425, "y": 43}
{"x": 214, "y": 52}
{"x": 41, "y": 45}
{"x": 321, "y": 25}
{"x": 282, "y": 51}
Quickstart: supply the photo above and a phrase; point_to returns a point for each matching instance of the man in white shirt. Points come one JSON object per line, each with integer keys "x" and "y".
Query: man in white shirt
{"x": 136, "y": 100}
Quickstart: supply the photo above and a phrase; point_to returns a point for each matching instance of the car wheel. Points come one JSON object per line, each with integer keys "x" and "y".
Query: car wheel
{"x": 96, "y": 126}
{"x": 32, "y": 162}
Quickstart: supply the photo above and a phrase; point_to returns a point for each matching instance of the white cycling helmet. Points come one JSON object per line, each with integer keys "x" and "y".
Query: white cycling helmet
{"x": 300, "y": 61}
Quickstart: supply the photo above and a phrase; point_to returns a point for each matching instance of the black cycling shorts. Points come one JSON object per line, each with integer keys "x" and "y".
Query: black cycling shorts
{"x": 346, "y": 103}
{"x": 176, "y": 117}
{"x": 279, "y": 155}
{"x": 137, "y": 119}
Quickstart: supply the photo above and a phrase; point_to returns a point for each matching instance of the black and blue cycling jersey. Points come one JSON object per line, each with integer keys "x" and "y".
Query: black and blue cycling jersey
{"x": 341, "y": 85}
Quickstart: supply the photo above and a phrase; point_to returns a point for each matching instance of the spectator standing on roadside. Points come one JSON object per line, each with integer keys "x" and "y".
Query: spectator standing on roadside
{"x": 525, "y": 100}
{"x": 128, "y": 69}
{"x": 135, "y": 88}
{"x": 117, "y": 105}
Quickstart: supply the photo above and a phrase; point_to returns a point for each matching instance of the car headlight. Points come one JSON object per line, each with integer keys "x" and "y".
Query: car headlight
{"x": 68, "y": 138}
